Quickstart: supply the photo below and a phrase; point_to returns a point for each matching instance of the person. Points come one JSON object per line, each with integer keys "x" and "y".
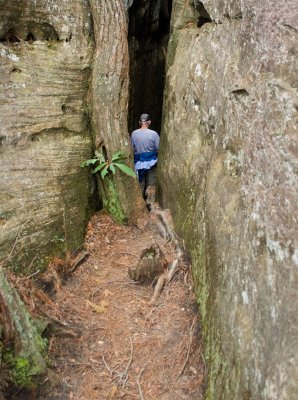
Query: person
{"x": 145, "y": 144}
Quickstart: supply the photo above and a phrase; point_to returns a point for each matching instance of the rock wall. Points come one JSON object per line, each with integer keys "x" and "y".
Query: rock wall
{"x": 228, "y": 171}
{"x": 61, "y": 94}
{"x": 46, "y": 52}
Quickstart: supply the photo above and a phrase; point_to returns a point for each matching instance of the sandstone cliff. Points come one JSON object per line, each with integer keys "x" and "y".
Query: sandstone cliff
{"x": 228, "y": 162}
{"x": 228, "y": 172}
{"x": 45, "y": 67}
{"x": 64, "y": 90}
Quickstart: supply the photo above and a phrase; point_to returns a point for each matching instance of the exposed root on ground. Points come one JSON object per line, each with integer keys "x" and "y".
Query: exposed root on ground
{"x": 106, "y": 339}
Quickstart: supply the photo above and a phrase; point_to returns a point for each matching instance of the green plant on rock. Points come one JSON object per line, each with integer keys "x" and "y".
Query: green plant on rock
{"x": 106, "y": 169}
{"x": 109, "y": 166}
{"x": 23, "y": 373}
{"x": 57, "y": 239}
{"x": 30, "y": 363}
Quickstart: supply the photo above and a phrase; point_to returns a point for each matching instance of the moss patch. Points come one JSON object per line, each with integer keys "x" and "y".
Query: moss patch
{"x": 195, "y": 233}
{"x": 111, "y": 201}
{"x": 24, "y": 370}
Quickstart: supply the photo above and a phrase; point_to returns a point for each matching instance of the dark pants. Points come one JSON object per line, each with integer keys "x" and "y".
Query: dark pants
{"x": 148, "y": 179}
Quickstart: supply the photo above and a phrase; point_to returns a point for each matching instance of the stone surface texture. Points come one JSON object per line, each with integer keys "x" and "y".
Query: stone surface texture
{"x": 46, "y": 53}
{"x": 228, "y": 171}
{"x": 62, "y": 91}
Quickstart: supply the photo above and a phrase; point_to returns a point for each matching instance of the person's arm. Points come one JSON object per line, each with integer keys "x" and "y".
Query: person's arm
{"x": 132, "y": 143}
{"x": 156, "y": 139}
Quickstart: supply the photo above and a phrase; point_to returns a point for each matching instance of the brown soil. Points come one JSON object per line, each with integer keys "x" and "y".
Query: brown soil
{"x": 118, "y": 345}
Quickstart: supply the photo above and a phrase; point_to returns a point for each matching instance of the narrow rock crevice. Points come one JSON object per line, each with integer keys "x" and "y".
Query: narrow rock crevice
{"x": 149, "y": 26}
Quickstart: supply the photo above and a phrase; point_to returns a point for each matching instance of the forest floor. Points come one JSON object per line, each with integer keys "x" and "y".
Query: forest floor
{"x": 115, "y": 344}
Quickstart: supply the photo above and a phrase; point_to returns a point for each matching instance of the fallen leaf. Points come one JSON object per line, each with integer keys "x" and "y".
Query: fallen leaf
{"x": 112, "y": 393}
{"x": 99, "y": 308}
{"x": 107, "y": 293}
{"x": 104, "y": 303}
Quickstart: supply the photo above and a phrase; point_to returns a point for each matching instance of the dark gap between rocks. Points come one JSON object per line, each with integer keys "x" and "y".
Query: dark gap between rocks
{"x": 149, "y": 26}
{"x": 30, "y": 32}
{"x": 203, "y": 15}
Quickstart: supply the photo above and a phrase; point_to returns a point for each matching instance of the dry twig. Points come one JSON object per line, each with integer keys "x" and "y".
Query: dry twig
{"x": 125, "y": 375}
{"x": 107, "y": 366}
{"x": 88, "y": 365}
{"x": 191, "y": 330}
{"x": 112, "y": 371}
{"x": 139, "y": 383}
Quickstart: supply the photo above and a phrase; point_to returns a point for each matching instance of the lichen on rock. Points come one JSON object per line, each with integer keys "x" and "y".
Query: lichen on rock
{"x": 26, "y": 355}
{"x": 227, "y": 172}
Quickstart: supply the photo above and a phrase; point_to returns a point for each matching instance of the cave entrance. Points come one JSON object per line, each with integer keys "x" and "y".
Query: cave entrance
{"x": 149, "y": 27}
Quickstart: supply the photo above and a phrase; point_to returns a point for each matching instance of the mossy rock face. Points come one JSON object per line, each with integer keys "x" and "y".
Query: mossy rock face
{"x": 22, "y": 373}
{"x": 224, "y": 175}
{"x": 111, "y": 200}
{"x": 26, "y": 355}
{"x": 29, "y": 365}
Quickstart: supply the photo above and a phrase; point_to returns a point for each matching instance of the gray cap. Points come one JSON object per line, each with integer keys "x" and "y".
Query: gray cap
{"x": 144, "y": 118}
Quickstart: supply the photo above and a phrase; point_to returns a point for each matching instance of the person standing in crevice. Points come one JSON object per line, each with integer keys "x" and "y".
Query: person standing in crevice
{"x": 145, "y": 144}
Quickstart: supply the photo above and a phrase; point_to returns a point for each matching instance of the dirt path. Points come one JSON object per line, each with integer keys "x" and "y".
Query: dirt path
{"x": 119, "y": 346}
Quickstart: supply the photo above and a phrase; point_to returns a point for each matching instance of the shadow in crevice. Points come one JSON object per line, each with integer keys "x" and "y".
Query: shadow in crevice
{"x": 203, "y": 15}
{"x": 149, "y": 26}
{"x": 30, "y": 32}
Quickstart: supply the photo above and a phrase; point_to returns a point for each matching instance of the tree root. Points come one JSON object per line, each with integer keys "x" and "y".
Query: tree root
{"x": 167, "y": 276}
{"x": 122, "y": 376}
{"x": 158, "y": 288}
